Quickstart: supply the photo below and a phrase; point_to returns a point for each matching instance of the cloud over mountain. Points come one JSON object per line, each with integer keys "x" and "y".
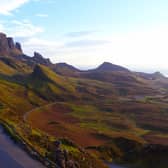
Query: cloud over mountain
{"x": 20, "y": 28}
{"x": 8, "y": 6}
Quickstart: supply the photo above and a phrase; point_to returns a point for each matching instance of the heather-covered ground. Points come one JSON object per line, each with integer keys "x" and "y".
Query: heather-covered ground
{"x": 109, "y": 113}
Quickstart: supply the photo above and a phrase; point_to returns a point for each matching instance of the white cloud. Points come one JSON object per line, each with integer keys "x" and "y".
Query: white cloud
{"x": 25, "y": 28}
{"x": 20, "y": 29}
{"x": 60, "y": 50}
{"x": 46, "y": 47}
{"x": 7, "y": 6}
{"x": 40, "y": 44}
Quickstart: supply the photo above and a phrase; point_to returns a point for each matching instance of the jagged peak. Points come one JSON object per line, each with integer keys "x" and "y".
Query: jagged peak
{"x": 40, "y": 59}
{"x": 11, "y": 42}
{"x": 8, "y": 47}
{"x": 37, "y": 55}
{"x": 18, "y": 46}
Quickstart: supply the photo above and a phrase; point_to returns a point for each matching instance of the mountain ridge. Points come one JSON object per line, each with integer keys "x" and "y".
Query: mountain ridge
{"x": 107, "y": 66}
{"x": 13, "y": 49}
{"x": 111, "y": 112}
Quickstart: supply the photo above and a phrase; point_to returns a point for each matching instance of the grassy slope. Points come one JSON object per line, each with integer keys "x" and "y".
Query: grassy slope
{"x": 49, "y": 85}
{"x": 92, "y": 113}
{"x": 6, "y": 70}
{"x": 101, "y": 115}
{"x": 19, "y": 97}
{"x": 14, "y": 66}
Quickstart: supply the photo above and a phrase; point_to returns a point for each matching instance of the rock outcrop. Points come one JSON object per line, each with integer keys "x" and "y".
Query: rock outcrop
{"x": 8, "y": 47}
{"x": 11, "y": 43}
{"x": 18, "y": 46}
{"x": 38, "y": 58}
{"x": 4, "y": 47}
{"x": 61, "y": 158}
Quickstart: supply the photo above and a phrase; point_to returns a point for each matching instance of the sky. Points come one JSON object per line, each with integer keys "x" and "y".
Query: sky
{"x": 86, "y": 33}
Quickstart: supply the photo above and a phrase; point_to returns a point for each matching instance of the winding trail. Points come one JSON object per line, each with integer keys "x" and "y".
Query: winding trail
{"x": 25, "y": 116}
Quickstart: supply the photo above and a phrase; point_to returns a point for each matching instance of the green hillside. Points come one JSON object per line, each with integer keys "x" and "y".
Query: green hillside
{"x": 100, "y": 114}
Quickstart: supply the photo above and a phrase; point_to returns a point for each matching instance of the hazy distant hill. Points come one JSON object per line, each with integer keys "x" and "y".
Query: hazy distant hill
{"x": 106, "y": 66}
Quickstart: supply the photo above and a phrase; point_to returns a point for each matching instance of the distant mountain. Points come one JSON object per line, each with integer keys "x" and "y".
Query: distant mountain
{"x": 106, "y": 66}
{"x": 65, "y": 69}
{"x": 151, "y": 76}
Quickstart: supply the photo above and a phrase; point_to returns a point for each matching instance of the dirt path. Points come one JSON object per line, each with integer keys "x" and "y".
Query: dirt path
{"x": 34, "y": 109}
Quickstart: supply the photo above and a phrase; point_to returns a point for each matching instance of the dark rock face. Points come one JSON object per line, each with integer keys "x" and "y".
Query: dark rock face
{"x": 37, "y": 55}
{"x": 38, "y": 58}
{"x": 18, "y": 46}
{"x": 11, "y": 43}
{"x": 4, "y": 47}
{"x": 8, "y": 46}
{"x": 39, "y": 74}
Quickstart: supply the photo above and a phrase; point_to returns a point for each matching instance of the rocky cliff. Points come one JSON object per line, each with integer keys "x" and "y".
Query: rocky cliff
{"x": 8, "y": 47}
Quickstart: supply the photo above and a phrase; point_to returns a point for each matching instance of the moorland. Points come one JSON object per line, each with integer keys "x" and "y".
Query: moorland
{"x": 109, "y": 113}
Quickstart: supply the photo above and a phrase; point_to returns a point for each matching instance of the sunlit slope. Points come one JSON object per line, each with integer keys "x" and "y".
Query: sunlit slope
{"x": 6, "y": 69}
{"x": 49, "y": 85}
{"x": 17, "y": 99}
{"x": 99, "y": 110}
{"x": 11, "y": 66}
{"x": 124, "y": 81}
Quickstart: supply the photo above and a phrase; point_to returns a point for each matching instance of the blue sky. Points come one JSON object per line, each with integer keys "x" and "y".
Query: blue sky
{"x": 85, "y": 33}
